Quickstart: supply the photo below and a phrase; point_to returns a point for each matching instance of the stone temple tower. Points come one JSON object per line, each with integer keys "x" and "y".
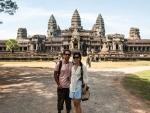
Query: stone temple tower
{"x": 134, "y": 33}
{"x": 76, "y": 21}
{"x": 53, "y": 29}
{"x": 75, "y": 28}
{"x": 99, "y": 27}
{"x": 22, "y": 33}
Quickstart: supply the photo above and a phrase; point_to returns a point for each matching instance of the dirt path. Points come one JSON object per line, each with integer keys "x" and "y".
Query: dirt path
{"x": 32, "y": 90}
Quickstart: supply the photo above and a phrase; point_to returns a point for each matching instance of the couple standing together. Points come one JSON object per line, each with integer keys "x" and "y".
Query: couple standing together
{"x": 68, "y": 78}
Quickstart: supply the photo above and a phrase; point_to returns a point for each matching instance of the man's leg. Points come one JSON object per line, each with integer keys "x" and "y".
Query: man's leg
{"x": 67, "y": 101}
{"x": 60, "y": 99}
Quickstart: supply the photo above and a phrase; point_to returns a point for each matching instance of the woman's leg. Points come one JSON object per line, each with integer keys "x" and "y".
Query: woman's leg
{"x": 77, "y": 106}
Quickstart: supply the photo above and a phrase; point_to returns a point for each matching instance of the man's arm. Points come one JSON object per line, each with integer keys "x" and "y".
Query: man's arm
{"x": 57, "y": 72}
{"x": 56, "y": 77}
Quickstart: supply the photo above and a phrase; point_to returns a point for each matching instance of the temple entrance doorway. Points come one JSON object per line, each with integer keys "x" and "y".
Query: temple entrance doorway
{"x": 75, "y": 44}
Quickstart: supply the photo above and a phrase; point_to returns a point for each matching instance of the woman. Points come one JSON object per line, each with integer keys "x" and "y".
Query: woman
{"x": 76, "y": 83}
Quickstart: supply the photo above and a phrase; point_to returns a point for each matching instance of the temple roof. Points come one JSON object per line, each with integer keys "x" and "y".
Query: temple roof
{"x": 52, "y": 19}
{"x": 99, "y": 20}
{"x": 99, "y": 25}
{"x": 52, "y": 23}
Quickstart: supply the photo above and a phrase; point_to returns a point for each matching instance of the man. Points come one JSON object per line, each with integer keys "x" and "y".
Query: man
{"x": 62, "y": 75}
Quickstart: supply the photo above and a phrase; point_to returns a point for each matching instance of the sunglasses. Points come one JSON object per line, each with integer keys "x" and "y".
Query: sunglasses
{"x": 76, "y": 57}
{"x": 67, "y": 54}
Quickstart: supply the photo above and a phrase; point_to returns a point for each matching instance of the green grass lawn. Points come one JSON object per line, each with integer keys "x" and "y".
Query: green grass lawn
{"x": 138, "y": 84}
{"x": 112, "y": 65}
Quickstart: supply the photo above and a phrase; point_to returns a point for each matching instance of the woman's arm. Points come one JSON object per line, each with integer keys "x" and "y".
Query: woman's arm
{"x": 85, "y": 75}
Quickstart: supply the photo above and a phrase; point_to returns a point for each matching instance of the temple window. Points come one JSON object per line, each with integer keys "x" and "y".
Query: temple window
{"x": 117, "y": 47}
{"x": 20, "y": 48}
{"x": 34, "y": 46}
{"x": 25, "y": 48}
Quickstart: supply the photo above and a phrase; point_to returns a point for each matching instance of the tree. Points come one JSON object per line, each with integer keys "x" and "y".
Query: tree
{"x": 8, "y": 6}
{"x": 11, "y": 45}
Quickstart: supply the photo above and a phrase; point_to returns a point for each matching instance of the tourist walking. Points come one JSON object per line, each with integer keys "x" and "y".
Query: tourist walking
{"x": 88, "y": 61}
{"x": 62, "y": 75}
{"x": 76, "y": 81}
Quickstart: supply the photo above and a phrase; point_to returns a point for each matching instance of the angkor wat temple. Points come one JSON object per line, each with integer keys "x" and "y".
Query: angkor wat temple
{"x": 77, "y": 38}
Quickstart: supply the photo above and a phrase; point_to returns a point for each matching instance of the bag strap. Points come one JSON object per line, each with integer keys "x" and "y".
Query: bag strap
{"x": 59, "y": 69}
{"x": 57, "y": 73}
{"x": 81, "y": 72}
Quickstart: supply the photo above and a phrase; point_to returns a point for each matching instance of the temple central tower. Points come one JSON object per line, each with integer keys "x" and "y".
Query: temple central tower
{"x": 75, "y": 29}
{"x": 76, "y": 21}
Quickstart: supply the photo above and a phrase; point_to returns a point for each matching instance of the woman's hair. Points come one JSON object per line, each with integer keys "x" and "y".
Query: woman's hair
{"x": 77, "y": 54}
{"x": 66, "y": 50}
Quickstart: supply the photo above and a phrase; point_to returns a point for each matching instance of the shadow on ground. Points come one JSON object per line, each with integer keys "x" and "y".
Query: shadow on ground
{"x": 33, "y": 90}
{"x": 26, "y": 90}
{"x": 137, "y": 86}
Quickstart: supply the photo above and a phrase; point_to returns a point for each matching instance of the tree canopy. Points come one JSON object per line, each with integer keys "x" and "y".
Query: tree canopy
{"x": 8, "y": 6}
{"x": 11, "y": 45}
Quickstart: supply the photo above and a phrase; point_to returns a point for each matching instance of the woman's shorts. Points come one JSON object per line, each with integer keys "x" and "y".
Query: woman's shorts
{"x": 76, "y": 94}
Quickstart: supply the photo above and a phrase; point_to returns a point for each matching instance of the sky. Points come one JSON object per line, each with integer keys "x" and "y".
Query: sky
{"x": 118, "y": 15}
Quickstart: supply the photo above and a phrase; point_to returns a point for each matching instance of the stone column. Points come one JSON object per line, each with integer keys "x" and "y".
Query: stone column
{"x": 32, "y": 47}
{"x": 27, "y": 48}
{"x": 72, "y": 46}
{"x": 120, "y": 47}
{"x": 36, "y": 46}
{"x": 114, "y": 46}
{"x": 78, "y": 44}
{"x": 137, "y": 48}
{"x": 147, "y": 49}
{"x": 39, "y": 47}
{"x": 111, "y": 47}
{"x": 129, "y": 49}
{"x": 22, "y": 48}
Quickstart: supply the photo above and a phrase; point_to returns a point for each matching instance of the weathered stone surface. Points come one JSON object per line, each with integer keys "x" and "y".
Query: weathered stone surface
{"x": 134, "y": 34}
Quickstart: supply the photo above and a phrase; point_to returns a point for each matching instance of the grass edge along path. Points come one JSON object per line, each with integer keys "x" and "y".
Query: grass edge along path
{"x": 138, "y": 84}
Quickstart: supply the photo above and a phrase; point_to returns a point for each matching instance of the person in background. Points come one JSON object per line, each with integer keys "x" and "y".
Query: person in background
{"x": 88, "y": 61}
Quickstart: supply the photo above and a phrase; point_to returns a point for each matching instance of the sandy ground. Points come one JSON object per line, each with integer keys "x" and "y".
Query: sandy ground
{"x": 33, "y": 90}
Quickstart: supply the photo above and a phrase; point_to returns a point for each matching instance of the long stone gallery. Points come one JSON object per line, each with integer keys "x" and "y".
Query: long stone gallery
{"x": 93, "y": 41}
